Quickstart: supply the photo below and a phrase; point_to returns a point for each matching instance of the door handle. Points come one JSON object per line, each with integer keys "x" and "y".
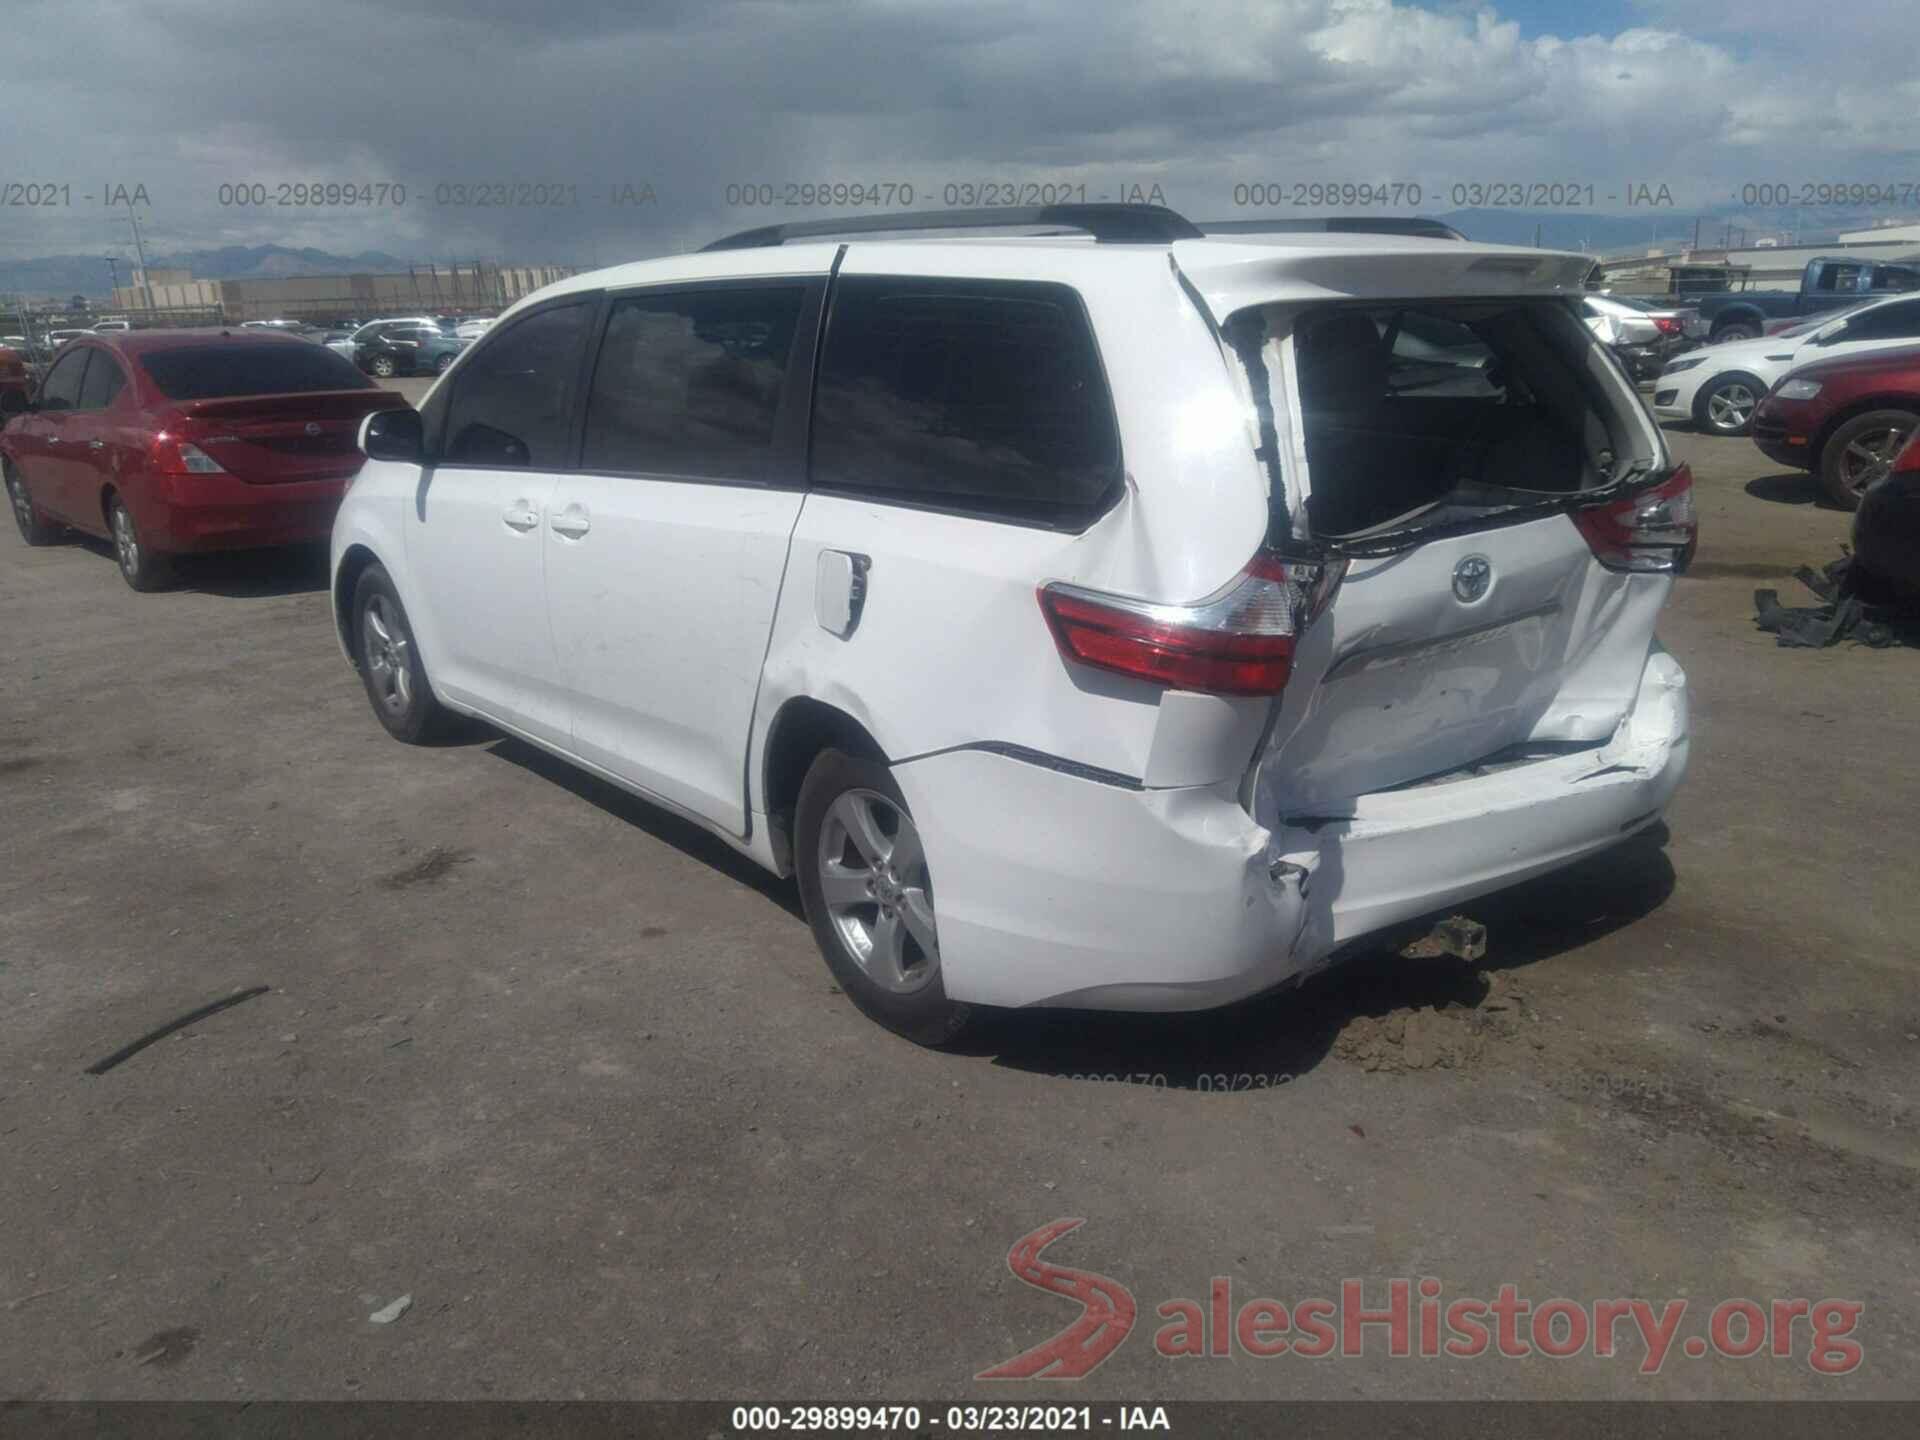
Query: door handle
{"x": 53, "y": 439}
{"x": 571, "y": 522}
{"x": 96, "y": 444}
{"x": 521, "y": 516}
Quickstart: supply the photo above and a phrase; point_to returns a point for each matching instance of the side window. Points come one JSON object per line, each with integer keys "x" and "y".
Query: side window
{"x": 1839, "y": 277}
{"x": 1887, "y": 322}
{"x": 985, "y": 396}
{"x": 512, "y": 402}
{"x": 1896, "y": 278}
{"x": 61, "y": 389}
{"x": 689, "y": 383}
{"x": 103, "y": 383}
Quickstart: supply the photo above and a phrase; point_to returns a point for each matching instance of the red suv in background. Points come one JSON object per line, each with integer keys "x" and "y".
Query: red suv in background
{"x": 172, "y": 441}
{"x": 1843, "y": 419}
{"x": 14, "y": 376}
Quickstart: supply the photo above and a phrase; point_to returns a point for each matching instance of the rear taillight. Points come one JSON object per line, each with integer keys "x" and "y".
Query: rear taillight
{"x": 1666, "y": 324}
{"x": 1237, "y": 641}
{"x": 1651, "y": 530}
{"x": 173, "y": 456}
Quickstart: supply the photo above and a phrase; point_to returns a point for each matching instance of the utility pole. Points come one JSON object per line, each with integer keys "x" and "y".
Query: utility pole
{"x": 146, "y": 280}
{"x": 113, "y": 277}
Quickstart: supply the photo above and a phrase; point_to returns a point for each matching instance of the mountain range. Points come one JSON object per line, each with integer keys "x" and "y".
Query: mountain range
{"x": 62, "y": 275}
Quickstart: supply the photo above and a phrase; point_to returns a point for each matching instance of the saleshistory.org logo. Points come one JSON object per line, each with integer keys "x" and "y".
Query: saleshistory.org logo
{"x": 1510, "y": 1325}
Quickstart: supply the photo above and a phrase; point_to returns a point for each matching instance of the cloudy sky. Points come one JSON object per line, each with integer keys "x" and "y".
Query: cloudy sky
{"x": 688, "y": 97}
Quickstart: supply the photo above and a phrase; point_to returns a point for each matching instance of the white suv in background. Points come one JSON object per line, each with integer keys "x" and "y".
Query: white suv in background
{"x": 1120, "y": 619}
{"x": 1720, "y": 386}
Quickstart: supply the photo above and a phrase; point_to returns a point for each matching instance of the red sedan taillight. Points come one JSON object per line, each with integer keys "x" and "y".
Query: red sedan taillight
{"x": 1650, "y": 531}
{"x": 1237, "y": 641}
{"x": 1666, "y": 324}
{"x": 171, "y": 455}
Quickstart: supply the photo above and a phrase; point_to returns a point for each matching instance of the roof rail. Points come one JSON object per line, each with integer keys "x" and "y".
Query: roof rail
{"x": 1107, "y": 224}
{"x": 1418, "y": 226}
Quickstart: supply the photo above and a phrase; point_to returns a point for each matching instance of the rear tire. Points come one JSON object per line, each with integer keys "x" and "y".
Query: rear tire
{"x": 1738, "y": 330}
{"x": 869, "y": 898}
{"x": 382, "y": 366}
{"x": 1861, "y": 451}
{"x": 1725, "y": 404}
{"x": 35, "y": 528}
{"x": 140, "y": 567}
{"x": 389, "y": 659}
{"x": 443, "y": 364}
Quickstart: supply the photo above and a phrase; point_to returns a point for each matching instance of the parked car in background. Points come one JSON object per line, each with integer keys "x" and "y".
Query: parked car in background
{"x": 1643, "y": 339}
{"x": 951, "y": 578}
{"x": 57, "y": 338}
{"x": 112, "y": 326}
{"x": 14, "y": 373}
{"x": 1845, "y": 420}
{"x": 371, "y": 330}
{"x": 471, "y": 328}
{"x": 286, "y": 326}
{"x": 1719, "y": 388}
{"x": 1828, "y": 283}
{"x": 403, "y": 349}
{"x": 168, "y": 441}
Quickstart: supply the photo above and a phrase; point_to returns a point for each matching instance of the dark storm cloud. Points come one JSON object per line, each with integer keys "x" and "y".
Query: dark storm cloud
{"x": 689, "y": 97}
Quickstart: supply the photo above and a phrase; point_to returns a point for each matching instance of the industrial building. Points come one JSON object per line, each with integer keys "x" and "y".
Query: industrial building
{"x": 175, "y": 297}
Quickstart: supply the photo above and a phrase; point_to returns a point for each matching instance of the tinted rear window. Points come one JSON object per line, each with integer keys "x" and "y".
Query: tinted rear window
{"x": 980, "y": 396}
{"x": 215, "y": 372}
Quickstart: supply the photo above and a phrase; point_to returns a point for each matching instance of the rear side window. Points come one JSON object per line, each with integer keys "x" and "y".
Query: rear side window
{"x": 1886, "y": 322}
{"x": 980, "y": 396}
{"x": 61, "y": 389}
{"x": 103, "y": 384}
{"x": 690, "y": 382}
{"x": 215, "y": 371}
{"x": 513, "y": 396}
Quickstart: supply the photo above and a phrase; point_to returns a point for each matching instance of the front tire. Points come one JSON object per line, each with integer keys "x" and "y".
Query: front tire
{"x": 1725, "y": 405}
{"x": 140, "y": 566}
{"x": 869, "y": 897}
{"x": 35, "y": 528}
{"x": 1738, "y": 330}
{"x": 383, "y": 366}
{"x": 1861, "y": 451}
{"x": 390, "y": 663}
{"x": 443, "y": 364}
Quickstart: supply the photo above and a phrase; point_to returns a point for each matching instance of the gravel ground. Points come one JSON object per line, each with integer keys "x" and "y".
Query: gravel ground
{"x": 573, "y": 1078}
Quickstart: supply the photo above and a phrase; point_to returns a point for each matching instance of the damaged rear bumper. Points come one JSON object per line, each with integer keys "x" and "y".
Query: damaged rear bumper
{"x": 1054, "y": 888}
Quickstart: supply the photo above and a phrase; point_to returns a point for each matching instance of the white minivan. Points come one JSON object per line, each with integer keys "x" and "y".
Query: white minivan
{"x": 1085, "y": 610}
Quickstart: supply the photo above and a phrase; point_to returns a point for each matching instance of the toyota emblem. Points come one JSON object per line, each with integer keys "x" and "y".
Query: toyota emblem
{"x": 313, "y": 427}
{"x": 1472, "y": 578}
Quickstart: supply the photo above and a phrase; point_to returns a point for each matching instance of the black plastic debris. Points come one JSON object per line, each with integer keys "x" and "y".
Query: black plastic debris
{"x": 1842, "y": 614}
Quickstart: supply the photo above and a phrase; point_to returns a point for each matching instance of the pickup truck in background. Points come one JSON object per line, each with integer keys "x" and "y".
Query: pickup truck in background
{"x": 1828, "y": 283}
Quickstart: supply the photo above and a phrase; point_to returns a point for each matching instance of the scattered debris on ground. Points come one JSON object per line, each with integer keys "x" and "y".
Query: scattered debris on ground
{"x": 387, "y": 1314}
{"x": 1442, "y": 1037}
{"x": 127, "y": 1052}
{"x": 437, "y": 865}
{"x": 1841, "y": 615}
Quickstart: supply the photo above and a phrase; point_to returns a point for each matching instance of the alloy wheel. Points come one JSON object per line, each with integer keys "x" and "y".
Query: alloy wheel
{"x": 1869, "y": 456}
{"x": 1731, "y": 407}
{"x": 22, "y": 505}
{"x": 388, "y": 652}
{"x": 873, "y": 878}
{"x": 126, "y": 545}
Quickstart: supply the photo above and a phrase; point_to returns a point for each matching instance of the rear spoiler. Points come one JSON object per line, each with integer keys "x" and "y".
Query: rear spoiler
{"x": 1418, "y": 226}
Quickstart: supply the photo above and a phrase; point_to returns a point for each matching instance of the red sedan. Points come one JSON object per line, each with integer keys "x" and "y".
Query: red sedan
{"x": 166, "y": 442}
{"x": 1845, "y": 419}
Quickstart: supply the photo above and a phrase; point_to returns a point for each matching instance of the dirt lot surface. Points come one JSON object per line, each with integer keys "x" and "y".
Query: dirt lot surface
{"x": 575, "y": 1080}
